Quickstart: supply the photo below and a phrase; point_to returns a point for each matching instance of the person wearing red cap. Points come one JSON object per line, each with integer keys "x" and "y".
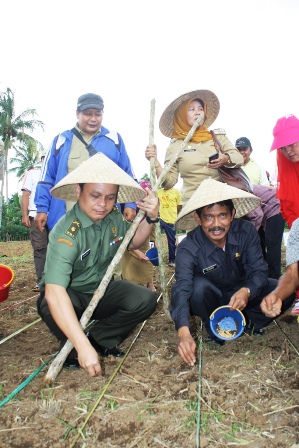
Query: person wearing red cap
{"x": 286, "y": 140}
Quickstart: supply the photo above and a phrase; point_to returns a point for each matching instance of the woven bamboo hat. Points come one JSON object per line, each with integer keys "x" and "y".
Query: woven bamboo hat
{"x": 209, "y": 192}
{"x": 212, "y": 107}
{"x": 98, "y": 169}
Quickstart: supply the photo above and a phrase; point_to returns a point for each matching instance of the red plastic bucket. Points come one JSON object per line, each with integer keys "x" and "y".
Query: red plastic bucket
{"x": 6, "y": 278}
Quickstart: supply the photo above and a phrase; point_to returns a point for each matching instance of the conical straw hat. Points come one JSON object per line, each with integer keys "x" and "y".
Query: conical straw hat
{"x": 98, "y": 169}
{"x": 212, "y": 107}
{"x": 209, "y": 192}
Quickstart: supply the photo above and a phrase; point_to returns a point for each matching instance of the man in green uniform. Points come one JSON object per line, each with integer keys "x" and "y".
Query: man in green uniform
{"x": 81, "y": 247}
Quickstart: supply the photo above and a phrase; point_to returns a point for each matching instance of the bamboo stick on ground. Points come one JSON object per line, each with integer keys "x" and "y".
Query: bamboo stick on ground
{"x": 61, "y": 357}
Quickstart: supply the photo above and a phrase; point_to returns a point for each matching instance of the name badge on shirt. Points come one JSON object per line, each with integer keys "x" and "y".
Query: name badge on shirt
{"x": 189, "y": 149}
{"x": 209, "y": 268}
{"x": 85, "y": 254}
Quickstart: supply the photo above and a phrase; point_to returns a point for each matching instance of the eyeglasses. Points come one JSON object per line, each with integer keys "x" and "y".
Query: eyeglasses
{"x": 243, "y": 149}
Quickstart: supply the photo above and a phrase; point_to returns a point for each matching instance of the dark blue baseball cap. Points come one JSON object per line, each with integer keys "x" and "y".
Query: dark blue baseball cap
{"x": 242, "y": 142}
{"x": 90, "y": 101}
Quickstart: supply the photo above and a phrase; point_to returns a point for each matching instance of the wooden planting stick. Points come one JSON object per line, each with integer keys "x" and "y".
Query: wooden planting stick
{"x": 158, "y": 235}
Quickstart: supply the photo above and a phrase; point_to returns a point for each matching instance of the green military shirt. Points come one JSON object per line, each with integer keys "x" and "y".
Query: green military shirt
{"x": 80, "y": 250}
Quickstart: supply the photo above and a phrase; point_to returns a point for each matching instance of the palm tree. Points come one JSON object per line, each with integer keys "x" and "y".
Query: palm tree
{"x": 12, "y": 127}
{"x": 28, "y": 154}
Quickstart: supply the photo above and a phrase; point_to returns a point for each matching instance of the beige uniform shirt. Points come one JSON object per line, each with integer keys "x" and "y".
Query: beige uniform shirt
{"x": 191, "y": 164}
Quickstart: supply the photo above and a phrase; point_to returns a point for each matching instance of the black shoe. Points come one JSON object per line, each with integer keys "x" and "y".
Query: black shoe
{"x": 104, "y": 351}
{"x": 214, "y": 340}
{"x": 71, "y": 363}
{"x": 72, "y": 359}
{"x": 258, "y": 332}
{"x": 251, "y": 331}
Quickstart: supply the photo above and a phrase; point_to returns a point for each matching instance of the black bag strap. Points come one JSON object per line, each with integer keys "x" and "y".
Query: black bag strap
{"x": 89, "y": 146}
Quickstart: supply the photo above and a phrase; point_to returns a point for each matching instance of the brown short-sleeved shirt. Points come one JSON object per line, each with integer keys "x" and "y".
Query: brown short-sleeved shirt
{"x": 191, "y": 164}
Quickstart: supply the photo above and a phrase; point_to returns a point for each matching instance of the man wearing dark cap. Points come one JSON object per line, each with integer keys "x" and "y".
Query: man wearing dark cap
{"x": 69, "y": 149}
{"x": 256, "y": 174}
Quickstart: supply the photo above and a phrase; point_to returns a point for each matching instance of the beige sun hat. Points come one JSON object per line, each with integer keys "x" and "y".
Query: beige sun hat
{"x": 209, "y": 192}
{"x": 98, "y": 169}
{"x": 208, "y": 97}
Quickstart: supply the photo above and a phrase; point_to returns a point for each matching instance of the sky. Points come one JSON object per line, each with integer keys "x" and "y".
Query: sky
{"x": 133, "y": 51}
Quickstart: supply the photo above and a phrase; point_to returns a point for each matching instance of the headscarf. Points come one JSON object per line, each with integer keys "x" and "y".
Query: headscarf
{"x": 287, "y": 188}
{"x": 181, "y": 126}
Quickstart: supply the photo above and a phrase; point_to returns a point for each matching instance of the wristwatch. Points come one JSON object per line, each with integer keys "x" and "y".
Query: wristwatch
{"x": 249, "y": 292}
{"x": 151, "y": 221}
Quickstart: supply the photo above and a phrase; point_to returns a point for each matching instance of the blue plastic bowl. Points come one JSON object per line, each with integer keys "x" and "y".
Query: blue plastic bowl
{"x": 226, "y": 324}
{"x": 152, "y": 254}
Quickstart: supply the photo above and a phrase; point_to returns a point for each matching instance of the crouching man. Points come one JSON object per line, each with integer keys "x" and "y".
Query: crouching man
{"x": 219, "y": 263}
{"x": 81, "y": 247}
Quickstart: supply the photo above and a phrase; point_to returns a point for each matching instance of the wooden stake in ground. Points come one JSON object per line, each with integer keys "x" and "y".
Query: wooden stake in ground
{"x": 158, "y": 235}
{"x": 57, "y": 364}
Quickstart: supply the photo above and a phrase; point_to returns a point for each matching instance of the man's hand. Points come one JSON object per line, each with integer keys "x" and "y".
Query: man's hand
{"x": 129, "y": 214}
{"x": 25, "y": 220}
{"x": 41, "y": 221}
{"x": 239, "y": 299}
{"x": 149, "y": 204}
{"x": 187, "y": 346}
{"x": 89, "y": 361}
{"x": 271, "y": 305}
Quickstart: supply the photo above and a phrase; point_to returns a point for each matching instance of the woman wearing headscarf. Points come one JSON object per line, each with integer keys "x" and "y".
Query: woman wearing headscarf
{"x": 193, "y": 163}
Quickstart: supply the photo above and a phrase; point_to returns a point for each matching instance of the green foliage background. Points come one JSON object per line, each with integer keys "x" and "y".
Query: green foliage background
{"x": 12, "y": 228}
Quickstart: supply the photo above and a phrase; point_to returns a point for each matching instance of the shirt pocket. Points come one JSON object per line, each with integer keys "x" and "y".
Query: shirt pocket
{"x": 85, "y": 261}
{"x": 213, "y": 274}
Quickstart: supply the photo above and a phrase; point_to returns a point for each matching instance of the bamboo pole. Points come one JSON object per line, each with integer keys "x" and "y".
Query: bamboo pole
{"x": 158, "y": 235}
{"x": 151, "y": 141}
{"x": 61, "y": 357}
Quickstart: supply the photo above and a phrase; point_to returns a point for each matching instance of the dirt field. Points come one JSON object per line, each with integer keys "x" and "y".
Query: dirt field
{"x": 249, "y": 388}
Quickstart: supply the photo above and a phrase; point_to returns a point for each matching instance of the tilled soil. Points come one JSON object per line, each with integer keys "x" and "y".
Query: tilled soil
{"x": 245, "y": 393}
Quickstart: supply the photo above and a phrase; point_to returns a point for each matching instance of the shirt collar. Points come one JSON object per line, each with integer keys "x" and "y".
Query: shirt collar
{"x": 83, "y": 135}
{"x": 85, "y": 220}
{"x": 211, "y": 247}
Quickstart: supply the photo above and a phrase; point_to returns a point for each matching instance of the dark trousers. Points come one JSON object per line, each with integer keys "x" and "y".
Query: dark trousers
{"x": 122, "y": 307}
{"x": 271, "y": 240}
{"x": 171, "y": 239}
{"x": 207, "y": 297}
{"x": 39, "y": 242}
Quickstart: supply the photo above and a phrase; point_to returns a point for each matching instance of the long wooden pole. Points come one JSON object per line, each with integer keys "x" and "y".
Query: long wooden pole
{"x": 158, "y": 235}
{"x": 57, "y": 364}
